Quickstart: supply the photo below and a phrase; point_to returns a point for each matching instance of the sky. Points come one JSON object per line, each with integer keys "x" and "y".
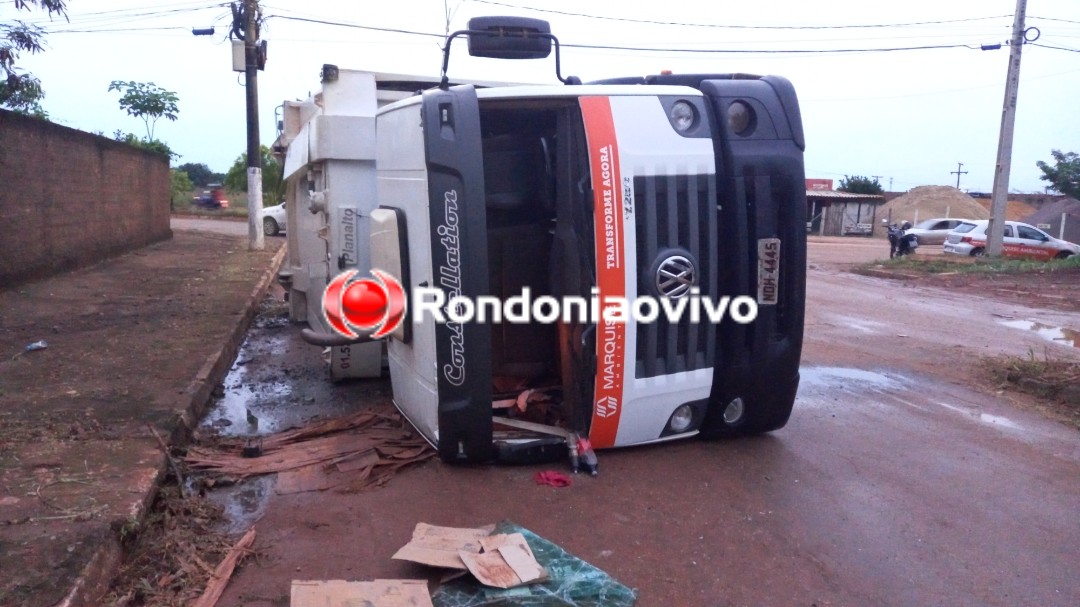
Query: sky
{"x": 906, "y": 116}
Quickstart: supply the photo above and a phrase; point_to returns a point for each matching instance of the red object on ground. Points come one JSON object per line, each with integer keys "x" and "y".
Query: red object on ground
{"x": 553, "y": 478}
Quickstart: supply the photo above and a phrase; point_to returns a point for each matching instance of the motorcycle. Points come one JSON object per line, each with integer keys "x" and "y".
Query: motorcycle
{"x": 900, "y": 242}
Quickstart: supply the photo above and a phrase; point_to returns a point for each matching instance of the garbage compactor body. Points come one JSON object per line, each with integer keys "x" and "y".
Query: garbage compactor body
{"x": 326, "y": 144}
{"x": 672, "y": 187}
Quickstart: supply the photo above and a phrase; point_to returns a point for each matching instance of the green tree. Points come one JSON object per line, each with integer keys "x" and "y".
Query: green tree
{"x": 20, "y": 91}
{"x": 273, "y": 186}
{"x": 857, "y": 184}
{"x": 200, "y": 174}
{"x": 181, "y": 186}
{"x": 148, "y": 101}
{"x": 24, "y": 98}
{"x": 1064, "y": 176}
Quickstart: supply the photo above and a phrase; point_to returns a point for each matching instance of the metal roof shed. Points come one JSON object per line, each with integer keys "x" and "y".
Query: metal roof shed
{"x": 832, "y": 213}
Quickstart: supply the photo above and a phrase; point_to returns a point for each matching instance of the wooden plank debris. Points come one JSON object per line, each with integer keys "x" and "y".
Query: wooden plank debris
{"x": 224, "y": 571}
{"x": 369, "y": 448}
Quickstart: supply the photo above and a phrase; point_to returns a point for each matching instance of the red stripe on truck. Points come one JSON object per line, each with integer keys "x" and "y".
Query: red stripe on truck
{"x": 610, "y": 268}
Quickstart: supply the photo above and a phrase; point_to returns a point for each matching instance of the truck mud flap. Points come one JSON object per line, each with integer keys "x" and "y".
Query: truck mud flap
{"x": 455, "y": 167}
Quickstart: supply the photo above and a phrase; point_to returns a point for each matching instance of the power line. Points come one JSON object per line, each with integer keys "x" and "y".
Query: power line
{"x": 120, "y": 29}
{"x": 745, "y": 27}
{"x": 643, "y": 49}
{"x": 1057, "y": 48}
{"x": 577, "y": 46}
{"x": 129, "y": 13}
{"x": 354, "y": 26}
{"x": 770, "y": 51}
{"x": 1053, "y": 19}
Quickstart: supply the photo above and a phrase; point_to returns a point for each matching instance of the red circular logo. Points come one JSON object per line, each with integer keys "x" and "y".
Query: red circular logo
{"x": 377, "y": 305}
{"x": 364, "y": 303}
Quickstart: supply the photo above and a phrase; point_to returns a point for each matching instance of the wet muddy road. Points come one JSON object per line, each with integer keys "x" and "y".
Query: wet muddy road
{"x": 901, "y": 478}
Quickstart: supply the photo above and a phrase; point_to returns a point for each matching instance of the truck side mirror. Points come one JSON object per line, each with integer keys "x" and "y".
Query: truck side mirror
{"x": 509, "y": 38}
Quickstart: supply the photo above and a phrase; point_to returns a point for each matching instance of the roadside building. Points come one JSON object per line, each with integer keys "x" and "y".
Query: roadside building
{"x": 1053, "y": 216}
{"x": 832, "y": 213}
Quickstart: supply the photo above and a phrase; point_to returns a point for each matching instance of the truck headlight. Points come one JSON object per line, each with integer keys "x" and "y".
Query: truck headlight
{"x": 681, "y": 419}
{"x": 683, "y": 116}
{"x": 734, "y": 410}
{"x": 740, "y": 118}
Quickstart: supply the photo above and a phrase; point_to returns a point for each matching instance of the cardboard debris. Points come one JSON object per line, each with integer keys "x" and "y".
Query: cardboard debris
{"x": 377, "y": 593}
{"x": 507, "y": 561}
{"x": 442, "y": 546}
{"x": 571, "y": 582}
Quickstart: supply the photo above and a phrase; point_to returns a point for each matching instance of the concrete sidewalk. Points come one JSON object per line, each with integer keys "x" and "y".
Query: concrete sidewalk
{"x": 135, "y": 342}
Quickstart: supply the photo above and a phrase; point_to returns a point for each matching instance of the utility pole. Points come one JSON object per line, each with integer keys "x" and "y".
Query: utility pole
{"x": 958, "y": 173}
{"x": 254, "y": 157}
{"x": 996, "y": 230}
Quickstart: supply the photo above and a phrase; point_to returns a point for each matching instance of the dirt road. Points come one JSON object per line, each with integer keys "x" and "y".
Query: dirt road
{"x": 901, "y": 479}
{"x": 232, "y": 227}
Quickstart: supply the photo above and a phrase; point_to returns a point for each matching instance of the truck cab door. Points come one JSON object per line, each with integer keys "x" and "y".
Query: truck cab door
{"x": 458, "y": 224}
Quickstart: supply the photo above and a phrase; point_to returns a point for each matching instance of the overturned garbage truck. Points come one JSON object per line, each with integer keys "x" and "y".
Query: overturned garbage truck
{"x": 652, "y": 202}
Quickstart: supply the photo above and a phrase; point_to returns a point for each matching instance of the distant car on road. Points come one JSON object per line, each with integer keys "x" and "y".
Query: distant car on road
{"x": 212, "y": 198}
{"x": 1021, "y": 240}
{"x": 934, "y": 231}
{"x": 273, "y": 219}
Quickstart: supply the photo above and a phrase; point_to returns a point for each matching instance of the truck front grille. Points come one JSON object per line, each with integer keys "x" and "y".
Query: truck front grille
{"x": 675, "y": 215}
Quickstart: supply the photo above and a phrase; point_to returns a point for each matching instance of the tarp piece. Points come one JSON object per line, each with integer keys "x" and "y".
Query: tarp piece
{"x": 573, "y": 583}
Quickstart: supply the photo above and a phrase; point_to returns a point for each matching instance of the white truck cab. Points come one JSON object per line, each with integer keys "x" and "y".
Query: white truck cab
{"x": 671, "y": 187}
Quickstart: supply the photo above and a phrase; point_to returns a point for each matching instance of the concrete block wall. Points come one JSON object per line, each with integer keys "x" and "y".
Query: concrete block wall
{"x": 70, "y": 198}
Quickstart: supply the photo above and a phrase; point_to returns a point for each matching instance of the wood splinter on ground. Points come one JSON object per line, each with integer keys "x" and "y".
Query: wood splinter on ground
{"x": 216, "y": 586}
{"x": 354, "y": 452}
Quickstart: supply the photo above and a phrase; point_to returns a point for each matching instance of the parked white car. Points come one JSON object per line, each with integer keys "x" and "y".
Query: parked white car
{"x": 934, "y": 231}
{"x": 1021, "y": 240}
{"x": 273, "y": 219}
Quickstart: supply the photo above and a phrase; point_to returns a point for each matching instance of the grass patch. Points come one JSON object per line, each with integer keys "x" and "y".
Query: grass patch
{"x": 1055, "y": 381}
{"x": 972, "y": 265}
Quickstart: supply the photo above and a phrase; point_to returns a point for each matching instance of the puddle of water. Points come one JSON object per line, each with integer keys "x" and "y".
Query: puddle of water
{"x": 1059, "y": 335}
{"x": 242, "y": 409}
{"x": 245, "y": 502}
{"x": 986, "y": 418}
{"x": 862, "y": 325}
{"x": 230, "y": 415}
{"x": 277, "y": 382}
{"x": 997, "y": 420}
{"x": 843, "y": 378}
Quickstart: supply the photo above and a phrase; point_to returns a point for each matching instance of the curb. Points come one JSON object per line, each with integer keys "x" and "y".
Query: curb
{"x": 197, "y": 395}
{"x": 890, "y": 274}
{"x": 95, "y": 578}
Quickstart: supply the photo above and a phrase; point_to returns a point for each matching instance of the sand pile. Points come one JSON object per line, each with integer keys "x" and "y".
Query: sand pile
{"x": 1015, "y": 210}
{"x": 925, "y": 202}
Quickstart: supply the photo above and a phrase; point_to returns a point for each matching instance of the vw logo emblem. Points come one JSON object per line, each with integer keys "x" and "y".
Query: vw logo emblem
{"x": 675, "y": 276}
